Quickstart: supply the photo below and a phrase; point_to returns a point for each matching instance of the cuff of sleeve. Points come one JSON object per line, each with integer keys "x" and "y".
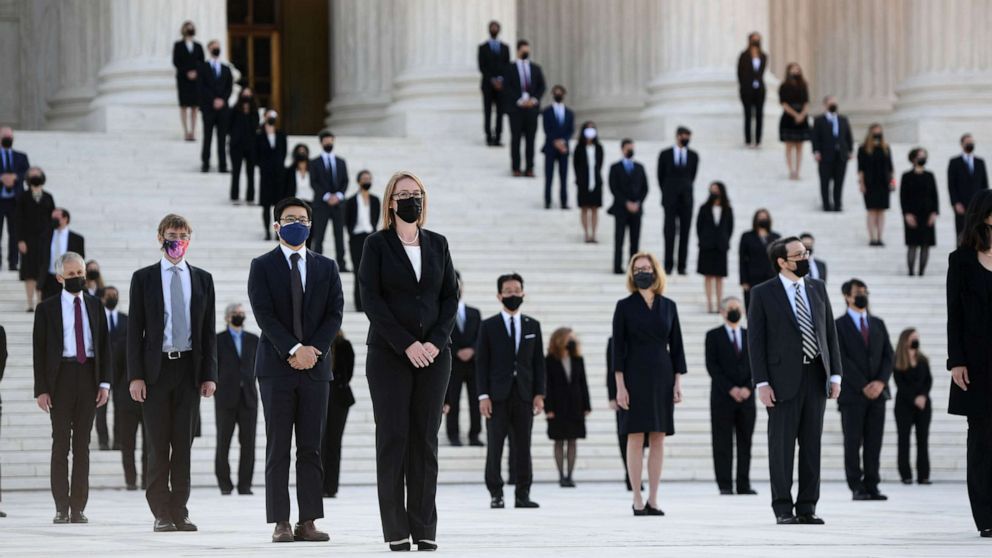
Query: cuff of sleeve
{"x": 483, "y": 397}
{"x": 295, "y": 348}
{"x": 326, "y": 197}
{"x": 835, "y": 379}
{"x": 760, "y": 384}
{"x": 340, "y": 195}
{"x": 104, "y": 385}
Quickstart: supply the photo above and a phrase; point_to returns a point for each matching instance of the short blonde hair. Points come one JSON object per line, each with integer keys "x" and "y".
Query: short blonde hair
{"x": 658, "y": 287}
{"x": 173, "y": 221}
{"x": 387, "y": 213}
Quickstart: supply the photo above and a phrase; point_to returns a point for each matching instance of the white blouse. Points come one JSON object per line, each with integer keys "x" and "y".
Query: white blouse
{"x": 303, "y": 189}
{"x": 413, "y": 252}
{"x": 717, "y": 214}
{"x": 591, "y": 162}
{"x": 566, "y": 363}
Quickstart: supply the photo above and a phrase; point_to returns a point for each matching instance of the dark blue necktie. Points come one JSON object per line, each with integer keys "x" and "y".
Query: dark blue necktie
{"x": 494, "y": 46}
{"x": 628, "y": 166}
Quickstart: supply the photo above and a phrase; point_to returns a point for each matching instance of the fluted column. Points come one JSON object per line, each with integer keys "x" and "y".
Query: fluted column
{"x": 793, "y": 38}
{"x": 79, "y": 60}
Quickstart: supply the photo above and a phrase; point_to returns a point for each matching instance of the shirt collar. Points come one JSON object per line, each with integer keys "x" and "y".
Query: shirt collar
{"x": 69, "y": 297}
{"x": 558, "y": 106}
{"x": 789, "y": 283}
{"x": 287, "y": 251}
{"x": 461, "y": 307}
{"x": 507, "y": 316}
{"x": 857, "y": 315}
{"x": 233, "y": 332}
{"x": 166, "y": 264}
{"x": 730, "y": 329}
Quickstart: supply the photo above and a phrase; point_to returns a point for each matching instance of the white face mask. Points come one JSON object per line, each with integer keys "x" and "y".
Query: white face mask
{"x": 589, "y": 133}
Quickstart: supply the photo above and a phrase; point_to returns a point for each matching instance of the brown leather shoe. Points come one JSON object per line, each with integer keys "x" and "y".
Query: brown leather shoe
{"x": 307, "y": 531}
{"x": 283, "y": 533}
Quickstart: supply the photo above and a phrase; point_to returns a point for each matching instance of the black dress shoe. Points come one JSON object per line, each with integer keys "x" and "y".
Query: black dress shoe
{"x": 205, "y": 168}
{"x": 78, "y": 517}
{"x": 985, "y": 533}
{"x": 651, "y": 510}
{"x": 132, "y": 487}
{"x": 2, "y": 514}
{"x": 456, "y": 443}
{"x": 225, "y": 491}
{"x": 861, "y": 496}
{"x": 104, "y": 447}
{"x": 525, "y": 503}
{"x": 163, "y": 525}
{"x": 923, "y": 481}
{"x": 400, "y": 546}
{"x": 476, "y": 443}
{"x": 908, "y": 481}
{"x": 328, "y": 494}
{"x": 185, "y": 524}
{"x": 61, "y": 517}
{"x": 246, "y": 492}
{"x": 747, "y": 492}
{"x": 787, "y": 520}
{"x": 639, "y": 512}
{"x": 426, "y": 546}
{"x": 877, "y": 496}
{"x": 726, "y": 492}
{"x": 810, "y": 519}
{"x": 497, "y": 503}
{"x": 566, "y": 482}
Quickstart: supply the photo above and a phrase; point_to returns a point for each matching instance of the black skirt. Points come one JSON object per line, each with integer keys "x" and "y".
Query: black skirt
{"x": 712, "y": 263}
{"x": 791, "y": 131}
{"x": 188, "y": 94}
{"x": 590, "y": 198}
{"x": 877, "y": 195}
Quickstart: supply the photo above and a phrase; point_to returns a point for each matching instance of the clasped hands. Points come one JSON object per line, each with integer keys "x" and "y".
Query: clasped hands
{"x": 422, "y": 355}
{"x": 740, "y": 394}
{"x": 304, "y": 358}
{"x": 873, "y": 389}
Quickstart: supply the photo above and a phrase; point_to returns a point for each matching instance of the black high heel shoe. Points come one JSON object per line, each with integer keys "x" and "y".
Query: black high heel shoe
{"x": 651, "y": 510}
{"x": 640, "y": 512}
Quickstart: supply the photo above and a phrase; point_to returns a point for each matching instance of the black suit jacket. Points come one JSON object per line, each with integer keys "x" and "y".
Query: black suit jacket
{"x": 118, "y": 349}
{"x": 753, "y": 258}
{"x": 554, "y": 131}
{"x": 581, "y": 167}
{"x": 491, "y": 64}
{"x": 961, "y": 183}
{"x": 47, "y": 343}
{"x": 212, "y": 87}
{"x": 513, "y": 89}
{"x": 829, "y": 146}
{"x": 469, "y": 336}
{"x": 674, "y": 180}
{"x": 968, "y": 337}
{"x": 726, "y": 368}
{"x": 495, "y": 362}
{"x": 146, "y": 325}
{"x": 19, "y": 165}
{"x": 323, "y": 182}
{"x": 236, "y": 374}
{"x": 75, "y": 243}
{"x": 713, "y": 235}
{"x": 272, "y": 303}
{"x": 351, "y": 212}
{"x": 774, "y": 341}
{"x": 746, "y": 75}
{"x": 627, "y": 187}
{"x": 344, "y": 368}
{"x": 821, "y": 268}
{"x": 863, "y": 364}
{"x": 184, "y": 60}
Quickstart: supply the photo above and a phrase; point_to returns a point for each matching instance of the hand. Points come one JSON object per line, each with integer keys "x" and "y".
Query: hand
{"x": 911, "y": 221}
{"x": 465, "y": 354}
{"x": 817, "y": 156}
{"x": 538, "y": 404}
{"x": 432, "y": 350}
{"x": 587, "y": 413}
{"x": 932, "y": 219}
{"x": 207, "y": 389}
{"x": 745, "y": 393}
{"x": 191, "y": 75}
{"x": 102, "y": 395}
{"x": 920, "y": 402}
{"x": 22, "y": 247}
{"x": 613, "y": 404}
{"x": 305, "y": 357}
{"x": 861, "y": 187}
{"x": 633, "y": 207}
{"x": 959, "y": 208}
{"x": 960, "y": 376}
{"x": 486, "y": 408}
{"x": 333, "y": 200}
{"x": 549, "y": 414}
{"x": 799, "y": 119}
{"x": 677, "y": 395}
{"x": 138, "y": 390}
{"x": 892, "y": 185}
{"x": 746, "y": 286}
{"x": 218, "y": 103}
{"x": 834, "y": 390}
{"x": 45, "y": 402}
{"x": 445, "y": 409}
{"x": 623, "y": 398}
{"x": 767, "y": 396}
{"x": 8, "y": 179}
{"x": 735, "y": 394}
{"x": 418, "y": 355}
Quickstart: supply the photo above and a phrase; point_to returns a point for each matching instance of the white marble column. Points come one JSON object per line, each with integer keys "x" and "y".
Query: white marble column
{"x": 947, "y": 88}
{"x": 793, "y": 38}
{"x": 79, "y": 60}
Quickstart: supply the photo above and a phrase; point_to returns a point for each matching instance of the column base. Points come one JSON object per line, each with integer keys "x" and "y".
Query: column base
{"x": 69, "y": 109}
{"x": 138, "y": 96}
{"x": 940, "y": 107}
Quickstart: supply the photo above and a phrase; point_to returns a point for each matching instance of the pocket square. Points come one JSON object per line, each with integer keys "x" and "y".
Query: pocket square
{"x": 530, "y": 336}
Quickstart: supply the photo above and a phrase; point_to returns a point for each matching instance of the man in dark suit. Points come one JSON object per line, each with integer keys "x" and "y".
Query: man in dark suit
{"x": 215, "y": 84}
{"x": 58, "y": 241}
{"x": 677, "y": 168}
{"x": 867, "y": 357}
{"x": 13, "y": 166}
{"x": 463, "y": 338}
{"x": 833, "y": 146}
{"x": 966, "y": 177}
{"x": 817, "y": 267}
{"x": 297, "y": 300}
{"x": 127, "y": 411}
{"x": 510, "y": 378}
{"x": 523, "y": 87}
{"x": 71, "y": 379}
{"x": 629, "y": 185}
{"x": 559, "y": 125}
{"x": 494, "y": 56}
{"x": 236, "y": 400}
{"x": 361, "y": 216}
{"x": 795, "y": 365}
{"x": 171, "y": 362}
{"x": 3, "y": 366}
{"x": 732, "y": 412}
{"x": 329, "y": 179}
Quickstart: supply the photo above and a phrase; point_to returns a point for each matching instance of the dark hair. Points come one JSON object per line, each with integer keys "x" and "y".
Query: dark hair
{"x": 975, "y": 234}
{"x": 66, "y": 213}
{"x": 724, "y": 200}
{"x": 325, "y": 134}
{"x": 522, "y": 42}
{"x": 582, "y": 137}
{"x": 965, "y": 136}
{"x": 683, "y": 130}
{"x": 108, "y": 287}
{"x": 508, "y": 277}
{"x": 559, "y": 86}
{"x": 282, "y": 204}
{"x": 778, "y": 250}
{"x": 300, "y": 146}
{"x": 850, "y": 285}
{"x": 807, "y": 235}
{"x": 913, "y": 152}
{"x": 361, "y": 172}
{"x": 496, "y": 22}
{"x": 625, "y": 142}
{"x": 754, "y": 220}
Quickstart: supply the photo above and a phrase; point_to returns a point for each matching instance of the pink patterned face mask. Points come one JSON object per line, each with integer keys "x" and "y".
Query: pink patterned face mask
{"x": 175, "y": 249}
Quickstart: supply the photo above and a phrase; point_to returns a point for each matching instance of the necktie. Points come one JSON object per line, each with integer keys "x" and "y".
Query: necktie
{"x": 296, "y": 290}
{"x": 628, "y": 166}
{"x": 737, "y": 344}
{"x": 526, "y": 72}
{"x": 6, "y": 163}
{"x": 971, "y": 165}
{"x": 217, "y": 69}
{"x": 113, "y": 324}
{"x": 805, "y": 319}
{"x": 864, "y": 330}
{"x": 180, "y": 329}
{"x": 836, "y": 125}
{"x": 78, "y": 326}
{"x": 558, "y": 113}
{"x": 513, "y": 333}
{"x": 460, "y": 321}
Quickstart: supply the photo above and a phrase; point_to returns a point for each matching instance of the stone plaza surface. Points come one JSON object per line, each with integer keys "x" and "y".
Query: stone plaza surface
{"x": 592, "y": 520}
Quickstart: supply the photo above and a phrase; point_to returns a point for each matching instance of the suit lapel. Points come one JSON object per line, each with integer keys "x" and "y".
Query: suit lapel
{"x": 311, "y": 281}
{"x": 819, "y": 310}
{"x": 55, "y": 328}
{"x": 155, "y": 295}
{"x": 393, "y": 240}
{"x": 426, "y": 253}
{"x": 783, "y": 299}
{"x": 195, "y": 302}
{"x": 93, "y": 308}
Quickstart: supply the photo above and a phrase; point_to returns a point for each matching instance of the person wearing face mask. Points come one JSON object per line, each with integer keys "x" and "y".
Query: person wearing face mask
{"x": 72, "y": 374}
{"x": 795, "y": 365}
{"x": 918, "y": 199}
{"x": 14, "y": 166}
{"x": 57, "y": 241}
{"x": 494, "y": 56}
{"x": 361, "y": 216}
{"x": 215, "y": 83}
{"x": 236, "y": 400}
{"x": 629, "y": 186}
{"x": 876, "y": 180}
{"x": 751, "y": 67}
{"x": 270, "y": 148}
{"x": 94, "y": 280}
{"x": 523, "y": 87}
{"x": 753, "y": 253}
{"x": 966, "y": 176}
{"x": 559, "y": 125}
{"x": 913, "y": 409}
{"x": 793, "y": 128}
{"x": 298, "y": 174}
{"x": 817, "y": 267}
{"x": 329, "y": 179}
{"x": 732, "y": 409}
{"x": 171, "y": 363}
{"x": 34, "y": 219}
{"x": 833, "y": 146}
{"x": 648, "y": 361}
{"x": 588, "y": 162}
{"x": 339, "y": 400}
{"x": 677, "y": 167}
{"x": 410, "y": 296}
{"x": 127, "y": 411}
{"x": 567, "y": 404}
{"x": 714, "y": 228}
{"x": 866, "y": 356}
{"x": 243, "y": 130}
{"x": 187, "y": 58}
{"x": 463, "y": 338}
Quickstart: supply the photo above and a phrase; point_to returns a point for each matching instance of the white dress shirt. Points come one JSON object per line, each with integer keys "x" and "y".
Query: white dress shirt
{"x": 187, "y": 283}
{"x": 69, "y": 329}
{"x": 969, "y": 161}
{"x": 331, "y": 164}
{"x": 523, "y": 71}
{"x": 272, "y": 140}
{"x": 834, "y": 122}
{"x": 717, "y": 213}
{"x": 591, "y": 163}
{"x": 189, "y": 45}
{"x": 60, "y": 245}
{"x": 460, "y": 316}
{"x": 363, "y": 220}
{"x": 857, "y": 316}
{"x": 559, "y": 109}
{"x": 814, "y": 270}
{"x": 413, "y": 253}
{"x": 302, "y": 265}
{"x": 566, "y": 364}
{"x": 731, "y": 332}
{"x": 681, "y": 157}
{"x": 303, "y": 189}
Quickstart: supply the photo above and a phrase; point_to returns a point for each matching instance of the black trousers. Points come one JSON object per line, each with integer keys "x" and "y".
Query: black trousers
{"x": 214, "y": 120}
{"x": 799, "y": 419}
{"x": 908, "y": 417}
{"x": 169, "y": 414}
{"x": 491, "y": 99}
{"x": 356, "y": 245}
{"x": 102, "y": 432}
{"x": 322, "y": 213}
{"x": 463, "y": 373}
{"x": 50, "y": 287}
{"x": 73, "y": 408}
{"x": 245, "y": 417}
{"x": 863, "y": 424}
{"x": 958, "y": 224}
{"x": 293, "y": 404}
{"x": 523, "y": 126}
{"x": 237, "y": 156}
{"x": 624, "y": 221}
{"x": 337, "y": 417}
{"x": 7, "y": 207}
{"x": 678, "y": 217}
{"x": 729, "y": 420}
{"x": 549, "y": 175}
{"x": 127, "y": 421}
{"x": 406, "y": 403}
{"x": 832, "y": 172}
{"x": 512, "y": 415}
{"x": 754, "y": 109}
{"x": 980, "y": 470}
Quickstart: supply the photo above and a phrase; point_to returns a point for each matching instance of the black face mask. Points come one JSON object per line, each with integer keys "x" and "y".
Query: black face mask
{"x": 734, "y": 316}
{"x": 764, "y": 224}
{"x": 409, "y": 209}
{"x": 74, "y": 285}
{"x": 215, "y": 52}
{"x": 6, "y": 143}
{"x": 644, "y": 279}
{"x": 684, "y": 142}
{"x": 861, "y": 301}
{"x": 558, "y": 98}
{"x": 512, "y": 302}
{"x": 299, "y": 156}
{"x": 270, "y": 121}
{"x": 55, "y": 223}
{"x": 36, "y": 180}
{"x": 832, "y": 107}
{"x": 756, "y": 43}
{"x": 189, "y": 32}
{"x": 802, "y": 268}
{"x": 111, "y": 302}
{"x": 914, "y": 344}
{"x": 969, "y": 147}
{"x": 328, "y": 147}
{"x": 238, "y": 320}
{"x": 629, "y": 154}
{"x": 92, "y": 275}
{"x": 571, "y": 347}
{"x": 524, "y": 55}
{"x": 713, "y": 198}
{"x": 877, "y": 137}
{"x": 494, "y": 33}
{"x": 922, "y": 161}
{"x": 365, "y": 186}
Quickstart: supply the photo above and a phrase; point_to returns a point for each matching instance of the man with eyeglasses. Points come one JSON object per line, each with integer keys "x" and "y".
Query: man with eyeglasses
{"x": 171, "y": 363}
{"x": 796, "y": 366}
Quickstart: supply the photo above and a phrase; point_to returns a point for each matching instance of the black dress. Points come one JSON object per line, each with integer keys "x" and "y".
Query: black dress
{"x": 877, "y": 168}
{"x": 184, "y": 61}
{"x": 918, "y": 197}
{"x": 714, "y": 240}
{"x": 34, "y": 219}
{"x": 271, "y": 168}
{"x": 567, "y": 398}
{"x": 589, "y": 195}
{"x": 647, "y": 349}
{"x": 795, "y": 95}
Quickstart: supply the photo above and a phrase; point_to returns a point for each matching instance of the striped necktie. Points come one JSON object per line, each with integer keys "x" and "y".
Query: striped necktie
{"x": 805, "y": 319}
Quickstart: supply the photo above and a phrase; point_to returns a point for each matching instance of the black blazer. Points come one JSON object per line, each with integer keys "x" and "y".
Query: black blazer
{"x": 243, "y": 129}
{"x": 18, "y": 165}
{"x": 184, "y": 60}
{"x": 470, "y": 335}
{"x": 826, "y": 144}
{"x": 962, "y": 184}
{"x": 212, "y": 87}
{"x": 821, "y": 268}
{"x": 47, "y": 343}
{"x": 913, "y": 382}
{"x": 343, "y": 355}
{"x": 581, "y": 166}
{"x": 323, "y": 182}
{"x": 713, "y": 235}
{"x": 75, "y": 243}
{"x": 674, "y": 180}
{"x": 969, "y": 301}
{"x": 272, "y": 304}
{"x": 611, "y": 374}
{"x": 400, "y": 309}
{"x": 271, "y": 169}
{"x": 495, "y": 362}
{"x": 118, "y": 348}
{"x": 863, "y": 364}
{"x": 351, "y": 212}
{"x": 755, "y": 266}
{"x": 627, "y": 187}
{"x": 236, "y": 374}
{"x": 513, "y": 89}
{"x": 554, "y": 131}
{"x": 746, "y": 75}
{"x": 146, "y": 330}
{"x": 491, "y": 64}
{"x": 726, "y": 368}
{"x": 774, "y": 341}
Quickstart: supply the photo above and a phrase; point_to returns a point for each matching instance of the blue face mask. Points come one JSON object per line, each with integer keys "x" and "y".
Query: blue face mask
{"x": 294, "y": 234}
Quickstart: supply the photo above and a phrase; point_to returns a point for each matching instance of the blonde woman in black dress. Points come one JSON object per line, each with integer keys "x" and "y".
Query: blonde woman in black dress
{"x": 876, "y": 180}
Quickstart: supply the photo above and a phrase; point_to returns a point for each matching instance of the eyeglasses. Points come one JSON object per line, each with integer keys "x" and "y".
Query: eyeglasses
{"x": 408, "y": 196}
{"x": 293, "y": 220}
{"x": 174, "y": 236}
{"x": 800, "y": 256}
{"x": 643, "y": 270}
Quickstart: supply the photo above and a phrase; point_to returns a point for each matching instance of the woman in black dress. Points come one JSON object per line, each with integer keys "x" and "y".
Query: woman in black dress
{"x": 33, "y": 215}
{"x": 793, "y": 128}
{"x": 187, "y": 55}
{"x": 913, "y": 382}
{"x": 755, "y": 267}
{"x": 270, "y": 148}
{"x": 340, "y": 398}
{"x": 567, "y": 403}
{"x": 649, "y": 361}
{"x": 918, "y": 197}
{"x": 714, "y": 227}
{"x": 243, "y": 131}
{"x": 751, "y": 67}
{"x": 876, "y": 180}
{"x": 588, "y": 163}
